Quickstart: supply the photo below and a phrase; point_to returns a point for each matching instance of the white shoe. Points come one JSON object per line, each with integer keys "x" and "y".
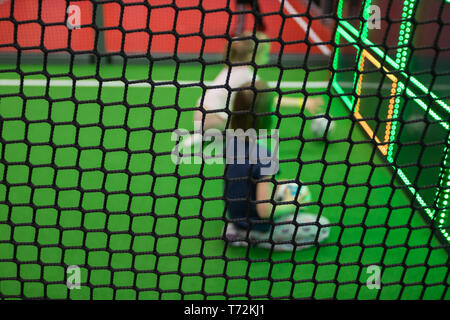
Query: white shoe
{"x": 234, "y": 236}
{"x": 309, "y": 233}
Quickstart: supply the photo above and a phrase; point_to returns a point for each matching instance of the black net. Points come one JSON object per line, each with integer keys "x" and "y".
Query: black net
{"x": 95, "y": 96}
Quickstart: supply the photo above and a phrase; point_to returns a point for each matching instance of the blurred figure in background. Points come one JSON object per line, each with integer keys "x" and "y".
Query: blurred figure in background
{"x": 242, "y": 55}
{"x": 241, "y": 7}
{"x": 245, "y": 54}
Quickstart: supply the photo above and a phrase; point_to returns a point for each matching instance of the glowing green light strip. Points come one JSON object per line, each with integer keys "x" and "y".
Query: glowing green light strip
{"x": 401, "y": 58}
{"x": 419, "y": 199}
{"x": 368, "y": 43}
{"x": 414, "y": 192}
{"x": 443, "y": 193}
{"x": 341, "y": 92}
{"x": 426, "y": 108}
{"x": 348, "y": 100}
{"x": 437, "y": 99}
{"x": 384, "y": 57}
{"x": 343, "y": 32}
{"x": 337, "y": 38}
{"x": 364, "y": 31}
{"x": 351, "y": 35}
{"x": 363, "y": 25}
{"x": 401, "y": 87}
{"x": 395, "y": 64}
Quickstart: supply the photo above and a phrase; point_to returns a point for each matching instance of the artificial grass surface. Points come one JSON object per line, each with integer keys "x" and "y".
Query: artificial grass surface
{"x": 87, "y": 180}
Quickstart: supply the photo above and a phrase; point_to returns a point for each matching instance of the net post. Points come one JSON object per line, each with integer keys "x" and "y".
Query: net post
{"x": 401, "y": 58}
{"x": 350, "y": 102}
{"x": 337, "y": 37}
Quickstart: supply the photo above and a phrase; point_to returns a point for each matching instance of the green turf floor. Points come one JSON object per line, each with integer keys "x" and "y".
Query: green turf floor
{"x": 88, "y": 180}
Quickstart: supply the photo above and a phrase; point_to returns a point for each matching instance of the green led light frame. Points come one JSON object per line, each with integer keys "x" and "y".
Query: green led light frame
{"x": 355, "y": 38}
{"x": 443, "y": 194}
{"x": 352, "y": 34}
{"x": 401, "y": 58}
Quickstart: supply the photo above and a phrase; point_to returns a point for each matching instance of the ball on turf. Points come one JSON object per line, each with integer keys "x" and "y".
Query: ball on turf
{"x": 320, "y": 125}
{"x": 288, "y": 192}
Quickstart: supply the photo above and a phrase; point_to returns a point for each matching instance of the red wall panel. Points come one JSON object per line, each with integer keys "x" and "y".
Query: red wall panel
{"x": 143, "y": 21}
{"x": 137, "y": 26}
{"x": 34, "y": 21}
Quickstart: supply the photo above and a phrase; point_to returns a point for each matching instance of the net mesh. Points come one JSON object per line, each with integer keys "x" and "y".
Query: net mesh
{"x": 92, "y": 91}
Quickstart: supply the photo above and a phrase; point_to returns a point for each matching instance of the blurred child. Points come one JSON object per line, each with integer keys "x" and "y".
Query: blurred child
{"x": 246, "y": 51}
{"x": 252, "y": 216}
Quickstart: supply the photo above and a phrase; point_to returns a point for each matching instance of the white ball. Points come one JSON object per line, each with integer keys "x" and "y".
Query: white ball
{"x": 288, "y": 192}
{"x": 319, "y": 126}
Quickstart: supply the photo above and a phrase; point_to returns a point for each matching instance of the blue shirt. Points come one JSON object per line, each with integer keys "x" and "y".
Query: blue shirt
{"x": 243, "y": 170}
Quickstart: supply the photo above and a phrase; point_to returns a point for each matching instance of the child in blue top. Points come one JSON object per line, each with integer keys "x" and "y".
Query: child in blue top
{"x": 249, "y": 182}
